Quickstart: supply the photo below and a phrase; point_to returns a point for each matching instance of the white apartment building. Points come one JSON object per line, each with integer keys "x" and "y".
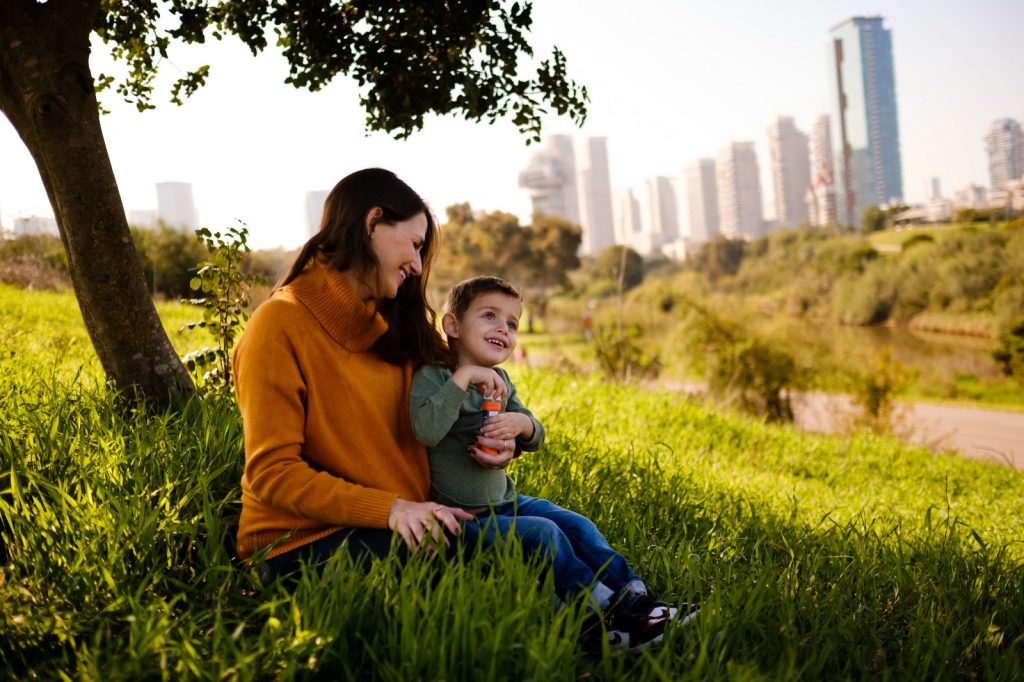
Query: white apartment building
{"x": 35, "y": 225}
{"x": 821, "y": 193}
{"x": 1005, "y": 146}
{"x": 663, "y": 214}
{"x": 629, "y": 229}
{"x": 739, "y": 191}
{"x": 595, "y": 190}
{"x": 550, "y": 179}
{"x": 791, "y": 175}
{"x": 702, "y": 200}
{"x": 175, "y": 206}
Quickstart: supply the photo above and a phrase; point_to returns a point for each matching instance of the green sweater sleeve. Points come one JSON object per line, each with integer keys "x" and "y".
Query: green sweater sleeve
{"x": 434, "y": 402}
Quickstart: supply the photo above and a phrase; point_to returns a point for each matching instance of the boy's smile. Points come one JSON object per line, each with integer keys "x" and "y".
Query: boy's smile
{"x": 487, "y": 331}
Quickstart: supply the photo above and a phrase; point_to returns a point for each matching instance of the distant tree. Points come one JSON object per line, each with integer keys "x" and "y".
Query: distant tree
{"x": 873, "y": 219}
{"x": 552, "y": 245}
{"x": 170, "y": 258}
{"x": 719, "y": 257}
{"x": 409, "y": 58}
{"x": 610, "y": 265}
{"x": 491, "y": 243}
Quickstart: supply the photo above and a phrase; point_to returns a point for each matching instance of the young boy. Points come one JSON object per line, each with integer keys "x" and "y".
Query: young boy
{"x": 481, "y": 324}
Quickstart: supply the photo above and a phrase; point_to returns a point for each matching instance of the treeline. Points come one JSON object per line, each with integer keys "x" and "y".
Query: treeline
{"x": 941, "y": 279}
{"x": 170, "y": 258}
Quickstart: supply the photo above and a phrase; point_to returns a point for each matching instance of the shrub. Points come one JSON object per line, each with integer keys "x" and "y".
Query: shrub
{"x": 1010, "y": 352}
{"x": 225, "y": 304}
{"x": 874, "y": 391}
{"x": 743, "y": 368}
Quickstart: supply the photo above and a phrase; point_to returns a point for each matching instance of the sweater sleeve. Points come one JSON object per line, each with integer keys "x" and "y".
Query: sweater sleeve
{"x": 271, "y": 394}
{"x": 515, "y": 405}
{"x": 434, "y": 403}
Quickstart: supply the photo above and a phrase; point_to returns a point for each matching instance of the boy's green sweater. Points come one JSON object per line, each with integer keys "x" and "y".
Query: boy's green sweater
{"x": 447, "y": 420}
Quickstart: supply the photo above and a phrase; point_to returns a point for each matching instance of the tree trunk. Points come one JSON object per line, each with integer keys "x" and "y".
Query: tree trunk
{"x": 47, "y": 92}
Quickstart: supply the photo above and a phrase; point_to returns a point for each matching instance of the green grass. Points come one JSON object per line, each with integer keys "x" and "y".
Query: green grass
{"x": 814, "y": 557}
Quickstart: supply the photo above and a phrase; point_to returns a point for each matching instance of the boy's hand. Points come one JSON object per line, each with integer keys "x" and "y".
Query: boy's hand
{"x": 508, "y": 426}
{"x": 486, "y": 380}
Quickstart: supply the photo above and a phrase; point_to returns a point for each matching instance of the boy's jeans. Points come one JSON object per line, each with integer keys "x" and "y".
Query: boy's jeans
{"x": 579, "y": 555}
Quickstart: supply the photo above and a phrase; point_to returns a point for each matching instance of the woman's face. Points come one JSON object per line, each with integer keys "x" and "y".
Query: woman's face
{"x": 397, "y": 248}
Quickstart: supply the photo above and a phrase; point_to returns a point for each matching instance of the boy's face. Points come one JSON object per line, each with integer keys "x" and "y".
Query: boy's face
{"x": 487, "y": 331}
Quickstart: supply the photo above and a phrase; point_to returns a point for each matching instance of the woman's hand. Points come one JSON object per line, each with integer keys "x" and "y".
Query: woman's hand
{"x": 415, "y": 521}
{"x": 504, "y": 451}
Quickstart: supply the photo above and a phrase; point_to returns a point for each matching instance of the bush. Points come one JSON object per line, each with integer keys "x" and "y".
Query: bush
{"x": 866, "y": 299}
{"x": 1010, "y": 352}
{"x": 34, "y": 262}
{"x": 743, "y": 368}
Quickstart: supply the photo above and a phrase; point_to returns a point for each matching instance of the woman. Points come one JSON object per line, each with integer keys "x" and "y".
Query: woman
{"x": 322, "y": 375}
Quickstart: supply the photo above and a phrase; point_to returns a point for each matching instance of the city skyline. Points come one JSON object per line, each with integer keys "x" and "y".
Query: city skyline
{"x": 682, "y": 83}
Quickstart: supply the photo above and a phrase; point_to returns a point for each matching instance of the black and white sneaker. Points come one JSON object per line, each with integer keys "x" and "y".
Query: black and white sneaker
{"x": 596, "y": 632}
{"x": 645, "y": 619}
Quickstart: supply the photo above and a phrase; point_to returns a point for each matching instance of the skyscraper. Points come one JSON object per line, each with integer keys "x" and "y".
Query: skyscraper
{"x": 791, "y": 175}
{"x": 702, "y": 196}
{"x": 865, "y": 127}
{"x": 664, "y": 214}
{"x": 595, "y": 189}
{"x": 550, "y": 179}
{"x": 739, "y": 191}
{"x": 628, "y": 226}
{"x": 175, "y": 207}
{"x": 1005, "y": 146}
{"x": 821, "y": 195}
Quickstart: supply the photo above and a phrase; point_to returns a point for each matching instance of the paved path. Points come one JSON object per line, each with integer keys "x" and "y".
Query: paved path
{"x": 993, "y": 435}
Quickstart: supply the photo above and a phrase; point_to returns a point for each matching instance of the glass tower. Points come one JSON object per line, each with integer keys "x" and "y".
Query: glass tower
{"x": 864, "y": 120}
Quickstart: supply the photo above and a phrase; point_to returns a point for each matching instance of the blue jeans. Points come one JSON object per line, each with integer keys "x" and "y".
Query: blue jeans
{"x": 578, "y": 554}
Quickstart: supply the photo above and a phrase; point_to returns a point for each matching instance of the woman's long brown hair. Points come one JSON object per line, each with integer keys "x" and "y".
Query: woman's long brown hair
{"x": 412, "y": 333}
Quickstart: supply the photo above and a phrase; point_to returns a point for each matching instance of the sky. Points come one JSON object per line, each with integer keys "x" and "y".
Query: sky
{"x": 669, "y": 81}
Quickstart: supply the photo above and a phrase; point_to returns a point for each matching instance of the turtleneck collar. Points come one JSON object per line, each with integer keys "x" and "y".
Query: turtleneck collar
{"x": 354, "y": 324}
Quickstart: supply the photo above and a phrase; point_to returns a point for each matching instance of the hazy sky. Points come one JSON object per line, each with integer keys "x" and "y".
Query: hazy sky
{"x": 669, "y": 81}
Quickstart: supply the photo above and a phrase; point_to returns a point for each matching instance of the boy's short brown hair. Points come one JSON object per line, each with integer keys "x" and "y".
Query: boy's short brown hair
{"x": 465, "y": 292}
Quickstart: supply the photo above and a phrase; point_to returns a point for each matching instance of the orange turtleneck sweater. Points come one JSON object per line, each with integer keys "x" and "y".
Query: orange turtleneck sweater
{"x": 328, "y": 441}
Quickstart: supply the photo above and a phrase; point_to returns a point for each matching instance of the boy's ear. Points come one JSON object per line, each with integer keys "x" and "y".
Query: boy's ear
{"x": 450, "y": 325}
{"x": 373, "y": 217}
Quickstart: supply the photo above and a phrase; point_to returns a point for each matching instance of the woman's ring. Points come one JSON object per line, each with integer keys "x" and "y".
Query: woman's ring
{"x": 504, "y": 445}
{"x": 435, "y": 510}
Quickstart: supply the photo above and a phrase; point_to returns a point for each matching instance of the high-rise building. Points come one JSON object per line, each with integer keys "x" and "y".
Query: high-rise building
{"x": 821, "y": 194}
{"x": 739, "y": 191}
{"x": 663, "y": 212}
{"x": 550, "y": 179}
{"x": 315, "y": 200}
{"x": 629, "y": 229}
{"x": 865, "y": 126}
{"x": 702, "y": 198}
{"x": 595, "y": 190}
{"x": 1005, "y": 146}
{"x": 791, "y": 174}
{"x": 175, "y": 207}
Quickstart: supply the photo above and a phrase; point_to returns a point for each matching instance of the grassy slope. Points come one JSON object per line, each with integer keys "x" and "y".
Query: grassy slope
{"x": 815, "y": 557}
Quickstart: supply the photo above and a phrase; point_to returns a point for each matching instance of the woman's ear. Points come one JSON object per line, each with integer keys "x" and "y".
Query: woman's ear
{"x": 373, "y": 217}
{"x": 450, "y": 325}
